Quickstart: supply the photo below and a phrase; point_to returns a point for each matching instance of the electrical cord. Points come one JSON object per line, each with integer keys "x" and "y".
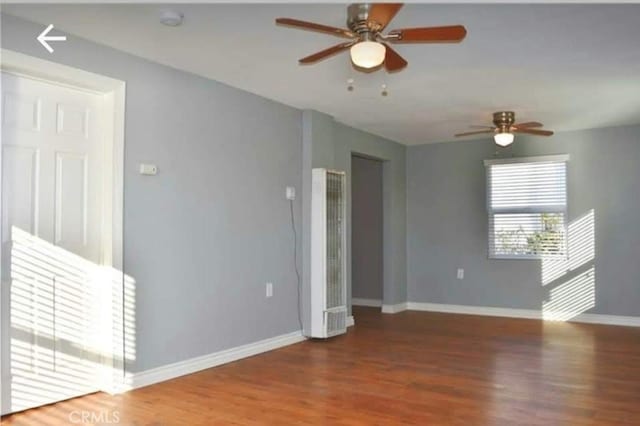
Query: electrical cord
{"x": 295, "y": 262}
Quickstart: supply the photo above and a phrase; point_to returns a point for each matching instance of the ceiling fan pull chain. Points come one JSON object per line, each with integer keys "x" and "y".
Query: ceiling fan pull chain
{"x": 350, "y": 85}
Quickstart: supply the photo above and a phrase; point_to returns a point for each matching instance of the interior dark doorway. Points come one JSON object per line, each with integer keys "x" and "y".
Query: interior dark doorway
{"x": 366, "y": 231}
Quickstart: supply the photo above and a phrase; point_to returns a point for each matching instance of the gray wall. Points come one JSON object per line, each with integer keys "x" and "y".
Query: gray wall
{"x": 351, "y": 141}
{"x": 203, "y": 236}
{"x": 447, "y": 221}
{"x": 330, "y": 144}
{"x": 366, "y": 228}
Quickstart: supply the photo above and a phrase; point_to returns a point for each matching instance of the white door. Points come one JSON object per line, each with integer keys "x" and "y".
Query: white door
{"x": 52, "y": 185}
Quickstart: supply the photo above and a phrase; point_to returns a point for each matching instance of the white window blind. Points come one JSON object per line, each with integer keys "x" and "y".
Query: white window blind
{"x": 527, "y": 206}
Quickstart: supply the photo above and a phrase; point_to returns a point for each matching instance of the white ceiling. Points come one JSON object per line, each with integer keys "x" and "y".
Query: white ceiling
{"x": 569, "y": 66}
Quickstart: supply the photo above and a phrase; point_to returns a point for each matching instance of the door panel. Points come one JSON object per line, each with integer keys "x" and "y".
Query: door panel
{"x": 21, "y": 112}
{"x": 73, "y": 121}
{"x": 52, "y": 184}
{"x": 71, "y": 202}
{"x": 19, "y": 189}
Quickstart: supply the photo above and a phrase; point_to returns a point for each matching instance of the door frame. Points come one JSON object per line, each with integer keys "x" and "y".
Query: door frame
{"x": 113, "y": 125}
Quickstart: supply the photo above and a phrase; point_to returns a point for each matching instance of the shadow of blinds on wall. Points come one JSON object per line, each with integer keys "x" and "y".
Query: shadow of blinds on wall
{"x": 527, "y": 207}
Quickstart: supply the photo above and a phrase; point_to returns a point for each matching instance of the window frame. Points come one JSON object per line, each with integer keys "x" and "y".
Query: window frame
{"x": 558, "y": 158}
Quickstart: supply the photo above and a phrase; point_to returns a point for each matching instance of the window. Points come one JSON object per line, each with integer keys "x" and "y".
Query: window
{"x": 527, "y": 205}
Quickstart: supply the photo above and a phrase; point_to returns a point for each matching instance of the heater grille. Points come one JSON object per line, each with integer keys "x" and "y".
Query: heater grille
{"x": 328, "y": 250}
{"x": 336, "y": 321}
{"x": 334, "y": 239}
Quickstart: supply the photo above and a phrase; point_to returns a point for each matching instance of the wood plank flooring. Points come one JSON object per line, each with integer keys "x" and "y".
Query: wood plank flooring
{"x": 409, "y": 368}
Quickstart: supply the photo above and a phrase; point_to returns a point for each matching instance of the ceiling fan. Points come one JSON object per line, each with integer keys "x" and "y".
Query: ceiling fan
{"x": 368, "y": 45}
{"x": 505, "y": 126}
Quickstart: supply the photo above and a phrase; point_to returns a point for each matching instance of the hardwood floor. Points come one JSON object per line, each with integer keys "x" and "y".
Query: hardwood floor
{"x": 409, "y": 368}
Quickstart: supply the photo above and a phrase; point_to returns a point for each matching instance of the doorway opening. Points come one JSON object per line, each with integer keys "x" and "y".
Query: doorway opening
{"x": 367, "y": 256}
{"x": 66, "y": 305}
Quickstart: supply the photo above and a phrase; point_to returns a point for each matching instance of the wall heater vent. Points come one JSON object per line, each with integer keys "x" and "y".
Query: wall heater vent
{"x": 328, "y": 248}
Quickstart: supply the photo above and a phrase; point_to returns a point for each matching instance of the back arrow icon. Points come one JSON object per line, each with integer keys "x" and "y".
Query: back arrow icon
{"x": 43, "y": 38}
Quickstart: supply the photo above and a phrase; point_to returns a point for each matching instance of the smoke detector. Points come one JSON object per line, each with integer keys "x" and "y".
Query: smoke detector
{"x": 171, "y": 18}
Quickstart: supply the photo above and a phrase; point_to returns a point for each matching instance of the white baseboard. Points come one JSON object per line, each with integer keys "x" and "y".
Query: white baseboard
{"x": 356, "y": 301}
{"x": 474, "y": 310}
{"x": 351, "y": 321}
{"x": 607, "y": 319}
{"x": 171, "y": 371}
{"x": 522, "y": 313}
{"x": 394, "y": 309}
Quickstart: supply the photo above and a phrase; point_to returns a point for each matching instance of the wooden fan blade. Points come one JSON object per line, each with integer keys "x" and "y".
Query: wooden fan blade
{"x": 527, "y": 124}
{"x": 475, "y": 133}
{"x": 474, "y": 126}
{"x": 383, "y": 13}
{"x": 326, "y": 53}
{"x": 450, "y": 34}
{"x": 534, "y": 132}
{"x": 392, "y": 60}
{"x": 311, "y": 26}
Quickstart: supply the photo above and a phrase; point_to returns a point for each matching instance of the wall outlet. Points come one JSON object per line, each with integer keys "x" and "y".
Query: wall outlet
{"x": 460, "y": 274}
{"x": 291, "y": 193}
{"x": 269, "y": 289}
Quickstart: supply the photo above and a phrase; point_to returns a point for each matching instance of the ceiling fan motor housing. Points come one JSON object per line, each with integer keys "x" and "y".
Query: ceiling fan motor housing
{"x": 504, "y": 120}
{"x": 357, "y": 19}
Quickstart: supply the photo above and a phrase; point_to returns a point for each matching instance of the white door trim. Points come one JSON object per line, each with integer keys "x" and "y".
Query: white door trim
{"x": 113, "y": 91}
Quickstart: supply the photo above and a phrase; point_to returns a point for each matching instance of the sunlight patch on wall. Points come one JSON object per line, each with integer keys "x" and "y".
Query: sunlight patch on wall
{"x": 571, "y": 298}
{"x": 581, "y": 249}
{"x": 569, "y": 294}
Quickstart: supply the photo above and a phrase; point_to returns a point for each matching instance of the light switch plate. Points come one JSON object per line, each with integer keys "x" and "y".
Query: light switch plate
{"x": 291, "y": 193}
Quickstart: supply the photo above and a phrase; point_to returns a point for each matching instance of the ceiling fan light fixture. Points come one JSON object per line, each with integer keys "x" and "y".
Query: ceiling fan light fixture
{"x": 368, "y": 54}
{"x": 503, "y": 138}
